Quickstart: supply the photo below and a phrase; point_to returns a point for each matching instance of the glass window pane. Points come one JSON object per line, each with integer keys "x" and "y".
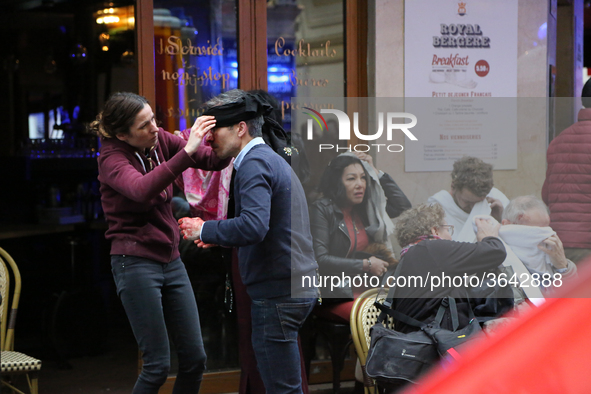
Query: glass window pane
{"x": 196, "y": 59}
{"x": 305, "y": 56}
{"x": 305, "y": 51}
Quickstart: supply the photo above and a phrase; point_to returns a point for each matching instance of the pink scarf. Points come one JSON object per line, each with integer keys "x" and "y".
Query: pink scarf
{"x": 207, "y": 191}
{"x": 416, "y": 241}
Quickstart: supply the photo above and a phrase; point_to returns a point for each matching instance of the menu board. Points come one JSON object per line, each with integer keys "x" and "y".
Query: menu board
{"x": 461, "y": 82}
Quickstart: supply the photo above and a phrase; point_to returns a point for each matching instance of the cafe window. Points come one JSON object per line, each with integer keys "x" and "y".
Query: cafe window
{"x": 195, "y": 57}
{"x": 305, "y": 52}
{"x": 62, "y": 60}
{"x": 306, "y": 58}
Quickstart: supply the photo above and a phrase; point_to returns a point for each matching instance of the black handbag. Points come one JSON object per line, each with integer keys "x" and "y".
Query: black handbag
{"x": 447, "y": 341}
{"x": 491, "y": 300}
{"x": 395, "y": 357}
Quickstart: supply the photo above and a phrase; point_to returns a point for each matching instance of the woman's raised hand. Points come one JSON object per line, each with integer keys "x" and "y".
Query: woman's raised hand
{"x": 366, "y": 158}
{"x": 200, "y": 128}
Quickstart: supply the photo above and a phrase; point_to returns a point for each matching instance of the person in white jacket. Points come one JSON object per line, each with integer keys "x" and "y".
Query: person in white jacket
{"x": 526, "y": 229}
{"x": 472, "y": 193}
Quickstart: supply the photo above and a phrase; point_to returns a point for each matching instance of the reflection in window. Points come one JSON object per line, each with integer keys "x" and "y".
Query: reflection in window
{"x": 195, "y": 57}
{"x": 305, "y": 51}
{"x": 305, "y": 56}
{"x": 57, "y": 120}
{"x": 195, "y": 51}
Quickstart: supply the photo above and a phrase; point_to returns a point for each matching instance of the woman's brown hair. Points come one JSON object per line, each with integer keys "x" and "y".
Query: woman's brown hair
{"x": 118, "y": 114}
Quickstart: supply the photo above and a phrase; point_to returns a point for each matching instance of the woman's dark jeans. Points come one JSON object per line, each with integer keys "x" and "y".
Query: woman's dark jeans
{"x": 159, "y": 300}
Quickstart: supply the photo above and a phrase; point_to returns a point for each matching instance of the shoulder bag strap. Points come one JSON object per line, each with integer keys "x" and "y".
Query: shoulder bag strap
{"x": 390, "y": 297}
{"x": 401, "y": 317}
{"x": 386, "y": 308}
{"x": 450, "y": 302}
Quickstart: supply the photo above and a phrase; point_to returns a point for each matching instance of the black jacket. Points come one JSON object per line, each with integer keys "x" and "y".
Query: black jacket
{"x": 441, "y": 259}
{"x": 331, "y": 237}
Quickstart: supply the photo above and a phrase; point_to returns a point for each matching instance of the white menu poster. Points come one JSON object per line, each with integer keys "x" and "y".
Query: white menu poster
{"x": 460, "y": 62}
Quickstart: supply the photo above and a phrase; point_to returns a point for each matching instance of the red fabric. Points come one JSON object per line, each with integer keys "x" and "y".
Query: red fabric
{"x": 339, "y": 313}
{"x": 362, "y": 240}
{"x": 546, "y": 351}
{"x": 206, "y": 191}
{"x": 567, "y": 188}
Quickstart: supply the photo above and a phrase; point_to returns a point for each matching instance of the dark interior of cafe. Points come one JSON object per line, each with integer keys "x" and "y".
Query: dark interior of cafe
{"x": 59, "y": 64}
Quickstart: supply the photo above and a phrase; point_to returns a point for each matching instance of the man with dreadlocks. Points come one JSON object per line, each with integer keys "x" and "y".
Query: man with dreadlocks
{"x": 272, "y": 231}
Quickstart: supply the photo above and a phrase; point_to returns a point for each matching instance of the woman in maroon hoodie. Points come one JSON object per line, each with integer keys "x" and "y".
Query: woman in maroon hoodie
{"x": 138, "y": 163}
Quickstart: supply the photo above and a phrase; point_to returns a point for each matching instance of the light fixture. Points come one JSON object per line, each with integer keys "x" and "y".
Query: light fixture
{"x": 108, "y": 15}
{"x": 110, "y": 19}
{"x": 104, "y": 41}
{"x": 115, "y": 18}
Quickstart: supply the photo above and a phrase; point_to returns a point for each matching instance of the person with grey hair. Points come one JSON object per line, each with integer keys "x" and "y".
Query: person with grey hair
{"x": 272, "y": 231}
{"x": 428, "y": 251}
{"x": 567, "y": 187}
{"x": 526, "y": 230}
{"x": 521, "y": 208}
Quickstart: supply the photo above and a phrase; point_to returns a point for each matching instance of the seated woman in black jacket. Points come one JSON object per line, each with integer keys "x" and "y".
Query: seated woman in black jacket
{"x": 350, "y": 225}
{"x": 429, "y": 253}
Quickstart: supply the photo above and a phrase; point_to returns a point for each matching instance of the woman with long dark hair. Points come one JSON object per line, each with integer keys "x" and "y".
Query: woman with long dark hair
{"x": 351, "y": 225}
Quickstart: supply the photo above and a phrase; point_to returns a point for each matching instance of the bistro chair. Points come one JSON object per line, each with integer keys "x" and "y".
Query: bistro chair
{"x": 13, "y": 363}
{"x": 364, "y": 315}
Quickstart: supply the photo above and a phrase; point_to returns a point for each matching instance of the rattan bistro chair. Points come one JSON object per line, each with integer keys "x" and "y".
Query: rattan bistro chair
{"x": 364, "y": 315}
{"x": 13, "y": 363}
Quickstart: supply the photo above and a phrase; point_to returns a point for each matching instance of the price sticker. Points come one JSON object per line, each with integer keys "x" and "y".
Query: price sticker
{"x": 482, "y": 68}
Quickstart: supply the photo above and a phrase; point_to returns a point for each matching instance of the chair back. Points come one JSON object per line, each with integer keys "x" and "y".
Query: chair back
{"x": 8, "y": 320}
{"x": 4, "y": 291}
{"x": 364, "y": 315}
{"x": 13, "y": 363}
